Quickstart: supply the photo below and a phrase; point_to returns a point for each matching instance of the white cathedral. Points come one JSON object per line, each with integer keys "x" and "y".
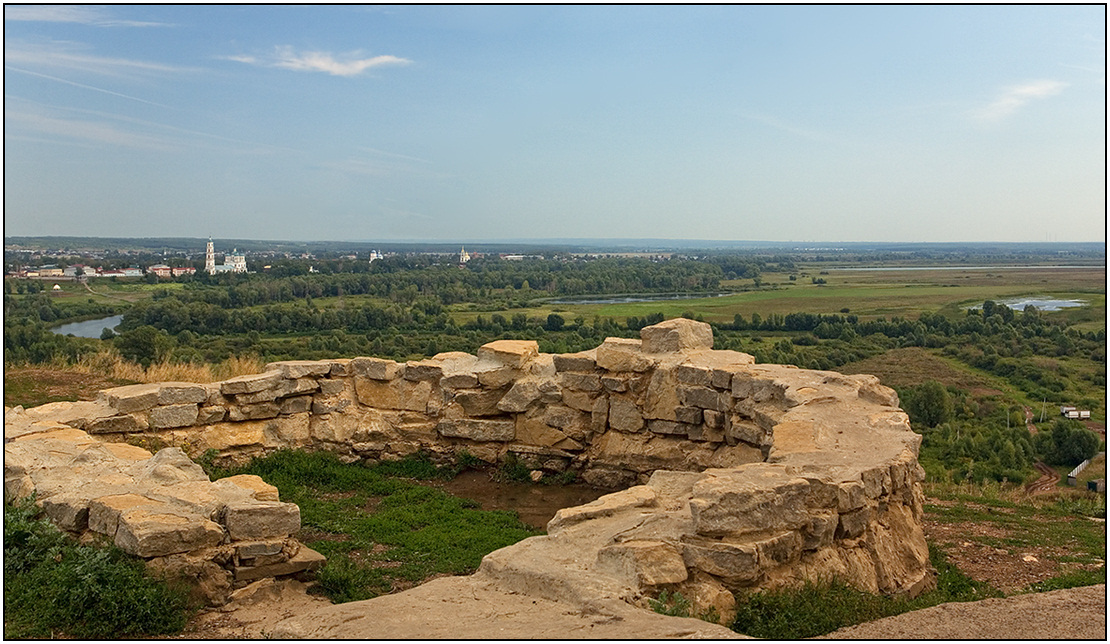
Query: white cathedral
{"x": 234, "y": 262}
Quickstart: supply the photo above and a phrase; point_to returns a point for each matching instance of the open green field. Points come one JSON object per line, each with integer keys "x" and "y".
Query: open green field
{"x": 885, "y": 293}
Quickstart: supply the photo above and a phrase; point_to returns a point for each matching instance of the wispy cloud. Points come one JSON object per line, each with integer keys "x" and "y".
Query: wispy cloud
{"x": 80, "y": 131}
{"x": 73, "y": 56}
{"x": 93, "y": 16}
{"x": 82, "y": 85}
{"x": 350, "y": 64}
{"x": 1015, "y": 97}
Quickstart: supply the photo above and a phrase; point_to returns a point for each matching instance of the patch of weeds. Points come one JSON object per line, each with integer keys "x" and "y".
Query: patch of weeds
{"x": 417, "y": 466}
{"x": 424, "y": 531}
{"x": 513, "y": 468}
{"x": 818, "y": 608}
{"x": 53, "y": 586}
{"x": 1072, "y": 579}
{"x": 567, "y": 477}
{"x": 672, "y": 604}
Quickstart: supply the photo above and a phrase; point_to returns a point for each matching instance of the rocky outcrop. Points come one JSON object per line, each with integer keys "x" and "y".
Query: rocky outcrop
{"x": 738, "y": 476}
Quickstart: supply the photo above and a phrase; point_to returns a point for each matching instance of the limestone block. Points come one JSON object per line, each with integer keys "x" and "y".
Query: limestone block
{"x": 117, "y": 425}
{"x": 210, "y": 414}
{"x": 251, "y": 383}
{"x": 168, "y": 416}
{"x": 694, "y": 416}
{"x": 582, "y": 400}
{"x": 459, "y": 381}
{"x": 820, "y": 530}
{"x": 706, "y": 594}
{"x": 395, "y": 394}
{"x": 525, "y": 392}
{"x": 68, "y": 511}
{"x": 253, "y": 484}
{"x": 747, "y": 431}
{"x": 423, "y": 370}
{"x": 482, "y": 402}
{"x": 622, "y": 354}
{"x": 255, "y": 549}
{"x": 170, "y": 465}
{"x": 210, "y": 584}
{"x": 532, "y": 430}
{"x": 703, "y": 397}
{"x": 377, "y": 368}
{"x": 615, "y": 385}
{"x": 495, "y": 376}
{"x": 588, "y": 382}
{"x": 704, "y": 433}
{"x": 584, "y": 361}
{"x": 712, "y": 419}
{"x": 853, "y": 524}
{"x": 179, "y": 393}
{"x": 131, "y": 398}
{"x": 159, "y": 530}
{"x": 851, "y": 495}
{"x": 643, "y": 563}
{"x": 755, "y": 499}
{"x": 606, "y": 478}
{"x": 640, "y": 496}
{"x": 574, "y": 423}
{"x": 734, "y": 563}
{"x": 661, "y": 399}
{"x": 261, "y": 520}
{"x": 297, "y": 404}
{"x": 333, "y": 428}
{"x": 872, "y": 391}
{"x": 624, "y": 415}
{"x": 340, "y": 368}
{"x": 478, "y": 429}
{"x": 321, "y": 406}
{"x": 599, "y": 415}
{"x": 104, "y": 511}
{"x": 780, "y": 548}
{"x": 305, "y": 559}
{"x": 691, "y": 375}
{"x": 225, "y": 435}
{"x": 675, "y": 335}
{"x": 510, "y": 353}
{"x": 293, "y": 369}
{"x": 215, "y": 397}
{"x": 253, "y": 412}
{"x": 668, "y": 427}
{"x": 331, "y": 387}
{"x": 722, "y": 379}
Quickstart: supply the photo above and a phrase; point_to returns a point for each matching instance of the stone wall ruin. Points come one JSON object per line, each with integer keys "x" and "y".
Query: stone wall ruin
{"x": 735, "y": 475}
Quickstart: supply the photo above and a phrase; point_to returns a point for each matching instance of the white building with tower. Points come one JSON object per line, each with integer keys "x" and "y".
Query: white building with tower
{"x": 234, "y": 262}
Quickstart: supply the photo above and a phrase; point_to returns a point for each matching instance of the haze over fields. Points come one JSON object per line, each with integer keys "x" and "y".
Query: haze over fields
{"x": 832, "y": 123}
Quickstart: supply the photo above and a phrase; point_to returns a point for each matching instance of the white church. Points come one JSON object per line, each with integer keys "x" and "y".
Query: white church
{"x": 234, "y": 262}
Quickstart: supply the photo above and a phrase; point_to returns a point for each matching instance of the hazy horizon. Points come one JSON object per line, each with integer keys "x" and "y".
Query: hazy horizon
{"x": 499, "y": 124}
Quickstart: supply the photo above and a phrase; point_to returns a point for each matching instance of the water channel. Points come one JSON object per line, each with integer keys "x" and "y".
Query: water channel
{"x": 88, "y": 328}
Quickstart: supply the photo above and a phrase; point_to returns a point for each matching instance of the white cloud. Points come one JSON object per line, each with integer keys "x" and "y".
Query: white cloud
{"x": 1013, "y": 98}
{"x": 317, "y": 61}
{"x": 93, "y": 16}
{"x": 81, "y": 131}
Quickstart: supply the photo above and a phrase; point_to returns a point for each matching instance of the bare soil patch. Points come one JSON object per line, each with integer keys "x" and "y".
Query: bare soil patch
{"x": 912, "y": 366}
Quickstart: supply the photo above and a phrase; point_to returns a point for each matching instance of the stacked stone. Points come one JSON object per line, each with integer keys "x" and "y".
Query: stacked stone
{"x": 160, "y": 507}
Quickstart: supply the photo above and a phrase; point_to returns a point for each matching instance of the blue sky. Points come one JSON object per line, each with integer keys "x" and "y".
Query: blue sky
{"x": 781, "y": 123}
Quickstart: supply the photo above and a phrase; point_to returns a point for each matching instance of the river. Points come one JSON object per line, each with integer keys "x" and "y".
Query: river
{"x": 89, "y": 328}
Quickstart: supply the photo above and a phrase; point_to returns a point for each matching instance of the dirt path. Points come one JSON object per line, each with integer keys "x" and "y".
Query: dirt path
{"x": 1047, "y": 482}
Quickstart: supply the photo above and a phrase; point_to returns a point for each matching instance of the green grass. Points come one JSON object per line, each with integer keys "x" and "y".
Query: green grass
{"x": 54, "y": 587}
{"x": 819, "y": 608}
{"x": 381, "y": 532}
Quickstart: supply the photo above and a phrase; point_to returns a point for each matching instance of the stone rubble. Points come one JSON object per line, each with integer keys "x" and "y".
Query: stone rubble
{"x": 739, "y": 476}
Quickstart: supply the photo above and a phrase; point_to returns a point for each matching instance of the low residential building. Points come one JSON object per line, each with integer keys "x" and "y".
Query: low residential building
{"x": 161, "y": 270}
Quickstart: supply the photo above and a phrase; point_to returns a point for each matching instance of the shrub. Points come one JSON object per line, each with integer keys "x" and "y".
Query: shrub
{"x": 54, "y": 586}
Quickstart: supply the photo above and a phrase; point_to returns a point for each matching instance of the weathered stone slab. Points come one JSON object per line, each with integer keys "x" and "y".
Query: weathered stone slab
{"x": 478, "y": 430}
{"x": 423, "y": 370}
{"x": 117, "y": 424}
{"x": 259, "y": 489}
{"x": 331, "y": 386}
{"x": 703, "y": 397}
{"x": 645, "y": 563}
{"x": 690, "y": 375}
{"x": 676, "y": 335}
{"x": 510, "y": 353}
{"x": 588, "y": 382}
{"x": 168, "y": 416}
{"x": 395, "y": 394}
{"x": 481, "y": 403}
{"x": 622, "y": 354}
{"x": 250, "y": 384}
{"x": 377, "y": 368}
{"x": 132, "y": 398}
{"x": 159, "y": 530}
{"x": 68, "y": 511}
{"x": 261, "y": 519}
{"x": 297, "y": 404}
{"x": 731, "y": 562}
{"x": 253, "y": 412}
{"x": 207, "y": 415}
{"x": 523, "y": 393}
{"x": 624, "y": 415}
{"x": 180, "y": 393}
{"x": 639, "y": 496}
{"x": 293, "y": 369}
{"x": 305, "y": 559}
{"x": 583, "y": 361}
